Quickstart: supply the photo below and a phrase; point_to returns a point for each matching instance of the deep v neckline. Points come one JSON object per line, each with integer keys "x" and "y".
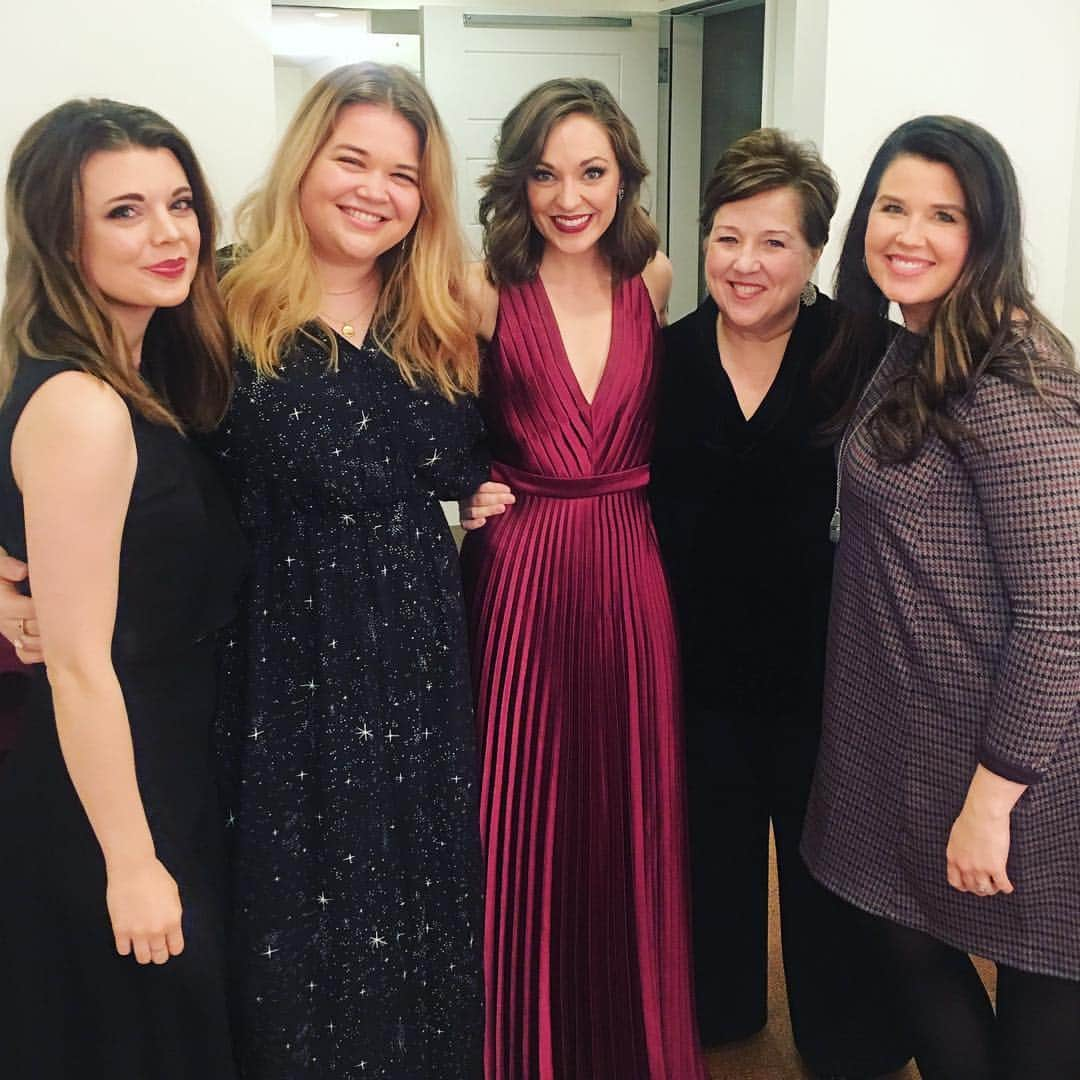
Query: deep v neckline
{"x": 568, "y": 368}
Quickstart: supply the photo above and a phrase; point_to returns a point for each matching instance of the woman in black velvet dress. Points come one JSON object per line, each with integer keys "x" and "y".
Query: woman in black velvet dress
{"x": 742, "y": 493}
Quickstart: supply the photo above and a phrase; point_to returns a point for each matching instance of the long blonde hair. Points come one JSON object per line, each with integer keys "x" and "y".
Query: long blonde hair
{"x": 52, "y": 312}
{"x": 272, "y": 295}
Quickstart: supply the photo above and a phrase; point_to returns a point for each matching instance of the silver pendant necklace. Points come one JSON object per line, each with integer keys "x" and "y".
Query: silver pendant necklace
{"x": 849, "y": 434}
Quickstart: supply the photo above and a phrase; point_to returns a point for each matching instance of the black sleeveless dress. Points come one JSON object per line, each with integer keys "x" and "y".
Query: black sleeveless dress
{"x": 70, "y": 1006}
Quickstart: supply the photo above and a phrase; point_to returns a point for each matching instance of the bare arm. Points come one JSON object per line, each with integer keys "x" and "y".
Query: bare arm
{"x": 73, "y": 456}
{"x": 657, "y": 277}
{"x": 482, "y": 299}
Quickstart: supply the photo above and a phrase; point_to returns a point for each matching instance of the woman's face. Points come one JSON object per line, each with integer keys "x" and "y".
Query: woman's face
{"x": 573, "y": 191}
{"x": 757, "y": 261}
{"x": 361, "y": 193}
{"x": 139, "y": 238}
{"x": 917, "y": 236}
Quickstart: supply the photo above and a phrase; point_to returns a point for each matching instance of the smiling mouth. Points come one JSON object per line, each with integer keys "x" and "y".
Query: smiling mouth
{"x": 571, "y": 223}
{"x": 362, "y": 217}
{"x": 168, "y": 268}
{"x": 745, "y": 290}
{"x": 905, "y": 266}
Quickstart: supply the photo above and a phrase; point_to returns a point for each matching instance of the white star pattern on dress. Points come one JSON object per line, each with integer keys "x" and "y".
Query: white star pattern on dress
{"x": 329, "y": 494}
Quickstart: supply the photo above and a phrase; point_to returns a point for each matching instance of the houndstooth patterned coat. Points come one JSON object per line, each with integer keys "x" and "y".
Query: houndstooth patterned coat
{"x": 955, "y": 639}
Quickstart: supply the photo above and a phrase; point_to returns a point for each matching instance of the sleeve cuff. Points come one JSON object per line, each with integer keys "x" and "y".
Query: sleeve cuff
{"x": 1018, "y": 774}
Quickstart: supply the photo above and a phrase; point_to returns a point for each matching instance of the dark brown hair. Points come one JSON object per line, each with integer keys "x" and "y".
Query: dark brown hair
{"x": 985, "y": 324}
{"x": 767, "y": 159}
{"x": 52, "y": 312}
{"x": 512, "y": 247}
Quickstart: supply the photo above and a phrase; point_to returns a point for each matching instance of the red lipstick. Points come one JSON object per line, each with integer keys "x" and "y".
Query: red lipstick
{"x": 169, "y": 268}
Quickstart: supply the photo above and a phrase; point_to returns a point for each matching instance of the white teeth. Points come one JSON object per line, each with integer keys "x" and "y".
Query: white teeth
{"x": 362, "y": 215}
{"x": 573, "y": 222}
{"x": 909, "y": 264}
{"x": 745, "y": 292}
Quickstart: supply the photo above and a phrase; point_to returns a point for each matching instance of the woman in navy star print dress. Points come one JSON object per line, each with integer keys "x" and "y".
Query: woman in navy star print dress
{"x": 349, "y": 734}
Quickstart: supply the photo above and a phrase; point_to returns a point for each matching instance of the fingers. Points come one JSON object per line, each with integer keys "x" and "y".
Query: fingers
{"x": 152, "y": 948}
{"x": 159, "y": 949}
{"x": 175, "y": 941}
{"x": 11, "y": 569}
{"x": 979, "y": 882}
{"x": 22, "y": 632}
{"x": 489, "y": 500}
{"x": 141, "y": 946}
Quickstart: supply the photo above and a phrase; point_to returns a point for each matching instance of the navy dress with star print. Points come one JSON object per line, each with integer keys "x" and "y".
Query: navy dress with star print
{"x": 347, "y": 732}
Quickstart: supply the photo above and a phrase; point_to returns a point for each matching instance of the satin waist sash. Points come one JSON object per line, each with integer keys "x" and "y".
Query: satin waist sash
{"x": 570, "y": 487}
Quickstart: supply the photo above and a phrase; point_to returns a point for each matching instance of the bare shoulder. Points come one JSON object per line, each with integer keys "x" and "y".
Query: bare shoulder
{"x": 657, "y": 277}
{"x": 73, "y": 416}
{"x": 482, "y": 298}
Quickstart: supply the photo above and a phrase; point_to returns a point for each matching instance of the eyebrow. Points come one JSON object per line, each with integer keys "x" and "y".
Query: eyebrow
{"x": 764, "y": 232}
{"x": 598, "y": 158}
{"x": 359, "y": 151}
{"x": 135, "y": 196}
{"x": 955, "y": 207}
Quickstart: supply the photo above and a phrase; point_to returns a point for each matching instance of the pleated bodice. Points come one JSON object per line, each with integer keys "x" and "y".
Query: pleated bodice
{"x": 538, "y": 418}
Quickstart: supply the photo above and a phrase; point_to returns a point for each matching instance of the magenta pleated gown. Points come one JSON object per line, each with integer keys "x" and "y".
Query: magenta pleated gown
{"x": 586, "y": 948}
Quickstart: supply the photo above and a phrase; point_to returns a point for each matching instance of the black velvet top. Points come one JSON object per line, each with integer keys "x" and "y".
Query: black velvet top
{"x": 742, "y": 509}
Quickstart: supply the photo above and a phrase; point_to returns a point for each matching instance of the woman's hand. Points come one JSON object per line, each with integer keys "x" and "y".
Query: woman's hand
{"x": 978, "y": 848}
{"x": 17, "y": 621}
{"x": 144, "y": 906}
{"x": 489, "y": 499}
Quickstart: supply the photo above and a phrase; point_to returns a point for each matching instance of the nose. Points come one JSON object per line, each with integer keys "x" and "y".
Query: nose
{"x": 911, "y": 231}
{"x": 165, "y": 227}
{"x": 372, "y": 185}
{"x": 746, "y": 260}
{"x": 566, "y": 198}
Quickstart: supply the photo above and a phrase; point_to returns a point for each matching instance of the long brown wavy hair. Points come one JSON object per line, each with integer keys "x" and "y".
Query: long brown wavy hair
{"x": 52, "y": 312}
{"x": 988, "y": 322}
{"x": 512, "y": 247}
{"x": 273, "y": 293}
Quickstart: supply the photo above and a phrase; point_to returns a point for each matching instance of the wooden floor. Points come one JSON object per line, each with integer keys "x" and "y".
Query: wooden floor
{"x": 771, "y": 1055}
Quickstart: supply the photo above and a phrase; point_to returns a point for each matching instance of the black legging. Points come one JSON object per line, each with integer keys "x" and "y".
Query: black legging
{"x": 1034, "y": 1035}
{"x": 743, "y": 771}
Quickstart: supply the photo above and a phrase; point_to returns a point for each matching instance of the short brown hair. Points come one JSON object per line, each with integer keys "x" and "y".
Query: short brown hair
{"x": 767, "y": 159}
{"x": 512, "y": 247}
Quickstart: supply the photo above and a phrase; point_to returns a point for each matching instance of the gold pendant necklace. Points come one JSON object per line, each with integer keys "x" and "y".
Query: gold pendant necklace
{"x": 348, "y": 326}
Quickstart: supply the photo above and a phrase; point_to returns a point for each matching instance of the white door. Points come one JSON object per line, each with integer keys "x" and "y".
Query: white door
{"x": 476, "y": 73}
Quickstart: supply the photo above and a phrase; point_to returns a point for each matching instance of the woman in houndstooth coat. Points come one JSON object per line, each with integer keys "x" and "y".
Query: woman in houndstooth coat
{"x": 947, "y": 793}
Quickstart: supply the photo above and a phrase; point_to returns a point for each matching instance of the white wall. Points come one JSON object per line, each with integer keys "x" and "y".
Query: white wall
{"x": 1011, "y": 67}
{"x": 1071, "y": 322}
{"x": 203, "y": 64}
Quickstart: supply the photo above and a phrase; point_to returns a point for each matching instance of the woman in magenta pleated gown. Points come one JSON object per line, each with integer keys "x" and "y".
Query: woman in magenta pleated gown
{"x": 586, "y": 948}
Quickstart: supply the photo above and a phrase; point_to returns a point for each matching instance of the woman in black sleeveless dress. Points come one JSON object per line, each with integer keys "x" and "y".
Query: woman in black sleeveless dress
{"x": 110, "y": 923}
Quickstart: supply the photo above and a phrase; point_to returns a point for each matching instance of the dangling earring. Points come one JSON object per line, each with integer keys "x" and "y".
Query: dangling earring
{"x": 622, "y": 192}
{"x": 808, "y": 296}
